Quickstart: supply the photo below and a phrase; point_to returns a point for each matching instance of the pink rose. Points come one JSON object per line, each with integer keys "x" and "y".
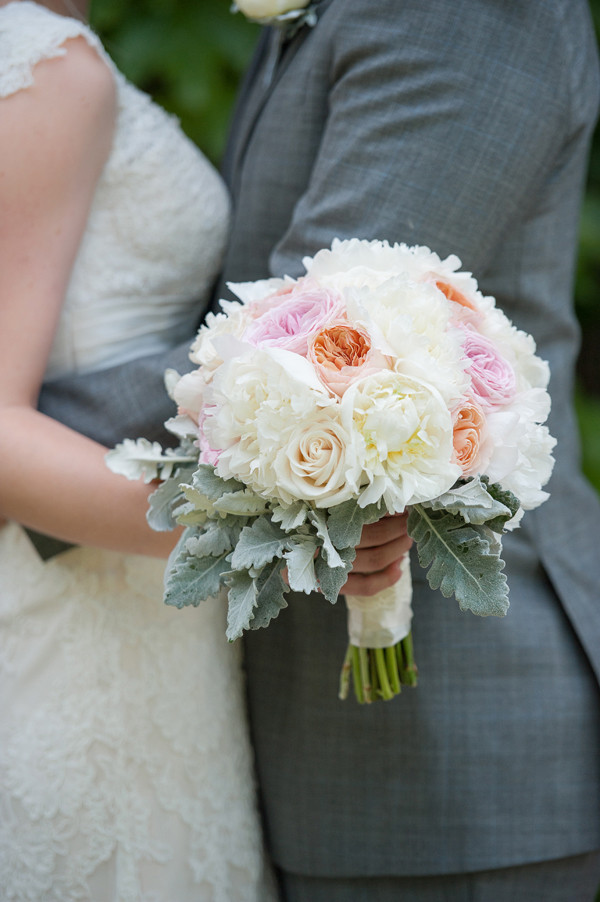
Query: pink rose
{"x": 342, "y": 353}
{"x": 492, "y": 377}
{"x": 290, "y": 324}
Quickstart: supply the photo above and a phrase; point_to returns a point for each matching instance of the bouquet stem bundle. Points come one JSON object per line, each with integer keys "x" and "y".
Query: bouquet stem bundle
{"x": 378, "y": 673}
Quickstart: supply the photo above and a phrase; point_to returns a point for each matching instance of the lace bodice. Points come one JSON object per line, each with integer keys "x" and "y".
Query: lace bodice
{"x": 157, "y": 227}
{"x": 125, "y": 766}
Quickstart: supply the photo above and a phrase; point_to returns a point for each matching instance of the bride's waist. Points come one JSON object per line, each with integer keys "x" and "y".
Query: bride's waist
{"x": 93, "y": 344}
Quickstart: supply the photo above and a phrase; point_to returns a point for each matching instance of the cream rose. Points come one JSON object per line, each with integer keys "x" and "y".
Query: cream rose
{"x": 318, "y": 462}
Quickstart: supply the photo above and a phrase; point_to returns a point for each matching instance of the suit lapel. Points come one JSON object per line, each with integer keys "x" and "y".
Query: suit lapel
{"x": 271, "y": 59}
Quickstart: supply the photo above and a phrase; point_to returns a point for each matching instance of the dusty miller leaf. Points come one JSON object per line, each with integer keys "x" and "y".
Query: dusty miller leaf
{"x": 141, "y": 459}
{"x": 213, "y": 540}
{"x": 258, "y": 544}
{"x": 462, "y": 560}
{"x": 290, "y": 517}
{"x": 270, "y": 598}
{"x": 244, "y": 504}
{"x": 192, "y": 579}
{"x": 242, "y": 600}
{"x": 345, "y": 522}
{"x": 507, "y": 499}
{"x": 207, "y": 482}
{"x": 300, "y": 559}
{"x": 162, "y": 502}
{"x": 186, "y": 514}
{"x": 473, "y": 502}
{"x": 331, "y": 579}
{"x": 319, "y": 521}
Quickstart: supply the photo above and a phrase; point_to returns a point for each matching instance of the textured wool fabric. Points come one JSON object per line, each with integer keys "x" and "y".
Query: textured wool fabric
{"x": 562, "y": 880}
{"x": 463, "y": 126}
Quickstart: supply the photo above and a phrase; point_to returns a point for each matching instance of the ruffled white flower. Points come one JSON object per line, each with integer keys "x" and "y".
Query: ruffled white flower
{"x": 354, "y": 261}
{"x": 411, "y": 323}
{"x": 403, "y": 437}
{"x": 257, "y": 400}
{"x": 521, "y": 459}
{"x": 233, "y": 320}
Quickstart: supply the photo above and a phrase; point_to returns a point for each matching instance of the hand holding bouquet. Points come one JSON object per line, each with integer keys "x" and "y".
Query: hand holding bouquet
{"x": 379, "y": 382}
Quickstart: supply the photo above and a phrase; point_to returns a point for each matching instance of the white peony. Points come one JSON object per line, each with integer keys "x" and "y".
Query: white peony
{"x": 411, "y": 322}
{"x": 233, "y": 321}
{"x": 403, "y": 437}
{"x": 256, "y": 401}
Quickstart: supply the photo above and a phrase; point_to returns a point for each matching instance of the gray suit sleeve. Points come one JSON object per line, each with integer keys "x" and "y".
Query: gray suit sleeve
{"x": 126, "y": 401}
{"x": 430, "y": 137}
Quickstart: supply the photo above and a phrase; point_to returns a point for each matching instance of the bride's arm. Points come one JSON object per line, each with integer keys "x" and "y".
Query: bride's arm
{"x": 54, "y": 141}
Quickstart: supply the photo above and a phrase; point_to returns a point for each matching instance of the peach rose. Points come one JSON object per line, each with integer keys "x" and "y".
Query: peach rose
{"x": 470, "y": 438}
{"x": 342, "y": 353}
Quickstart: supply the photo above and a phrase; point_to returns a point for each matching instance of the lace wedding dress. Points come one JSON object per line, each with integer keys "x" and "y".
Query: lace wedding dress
{"x": 125, "y": 768}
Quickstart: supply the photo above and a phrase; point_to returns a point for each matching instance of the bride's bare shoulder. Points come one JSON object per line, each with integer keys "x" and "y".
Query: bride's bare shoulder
{"x": 80, "y": 73}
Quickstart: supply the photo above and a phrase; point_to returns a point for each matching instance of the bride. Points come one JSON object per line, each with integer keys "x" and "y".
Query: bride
{"x": 125, "y": 768}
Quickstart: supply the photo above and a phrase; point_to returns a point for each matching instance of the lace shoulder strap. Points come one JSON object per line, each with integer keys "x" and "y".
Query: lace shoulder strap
{"x": 30, "y": 33}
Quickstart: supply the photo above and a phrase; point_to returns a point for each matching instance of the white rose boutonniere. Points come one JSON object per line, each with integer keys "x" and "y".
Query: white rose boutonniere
{"x": 291, "y": 14}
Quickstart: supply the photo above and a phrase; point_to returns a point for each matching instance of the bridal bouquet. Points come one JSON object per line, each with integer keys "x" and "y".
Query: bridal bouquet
{"x": 381, "y": 381}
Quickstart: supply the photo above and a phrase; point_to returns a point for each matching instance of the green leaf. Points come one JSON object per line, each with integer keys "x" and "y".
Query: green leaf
{"x": 141, "y": 459}
{"x": 258, "y": 544}
{"x": 331, "y": 579}
{"x": 463, "y": 560}
{"x": 162, "y": 502}
{"x": 319, "y": 521}
{"x": 345, "y": 522}
{"x": 245, "y": 504}
{"x": 290, "y": 517}
{"x": 242, "y": 600}
{"x": 212, "y": 486}
{"x": 187, "y": 514}
{"x": 503, "y": 496}
{"x": 270, "y": 599}
{"x": 474, "y": 502}
{"x": 193, "y": 579}
{"x": 214, "y": 540}
{"x": 300, "y": 559}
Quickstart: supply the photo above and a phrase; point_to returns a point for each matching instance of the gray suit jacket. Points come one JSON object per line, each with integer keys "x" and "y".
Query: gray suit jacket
{"x": 463, "y": 126}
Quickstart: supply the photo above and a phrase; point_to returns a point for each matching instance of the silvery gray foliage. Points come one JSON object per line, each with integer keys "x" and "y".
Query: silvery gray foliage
{"x": 238, "y": 541}
{"x": 457, "y": 538}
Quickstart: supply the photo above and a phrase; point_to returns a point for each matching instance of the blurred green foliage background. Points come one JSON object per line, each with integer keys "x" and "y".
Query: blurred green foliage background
{"x": 190, "y": 56}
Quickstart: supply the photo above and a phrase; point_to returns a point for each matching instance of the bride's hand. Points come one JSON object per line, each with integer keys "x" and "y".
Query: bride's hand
{"x": 379, "y": 555}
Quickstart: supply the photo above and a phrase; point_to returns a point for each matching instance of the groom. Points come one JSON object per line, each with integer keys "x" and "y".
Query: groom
{"x": 463, "y": 126}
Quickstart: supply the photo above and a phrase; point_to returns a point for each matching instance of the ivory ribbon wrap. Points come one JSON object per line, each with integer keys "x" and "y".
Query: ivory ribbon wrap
{"x": 382, "y": 620}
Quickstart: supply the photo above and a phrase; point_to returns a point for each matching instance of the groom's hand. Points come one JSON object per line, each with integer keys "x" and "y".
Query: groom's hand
{"x": 378, "y": 556}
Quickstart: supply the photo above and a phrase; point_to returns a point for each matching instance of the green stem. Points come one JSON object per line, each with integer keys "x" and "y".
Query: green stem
{"x": 409, "y": 673}
{"x": 392, "y": 669}
{"x": 356, "y": 678}
{"x": 345, "y": 674}
{"x": 365, "y": 675}
{"x": 384, "y": 683}
{"x": 373, "y": 672}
